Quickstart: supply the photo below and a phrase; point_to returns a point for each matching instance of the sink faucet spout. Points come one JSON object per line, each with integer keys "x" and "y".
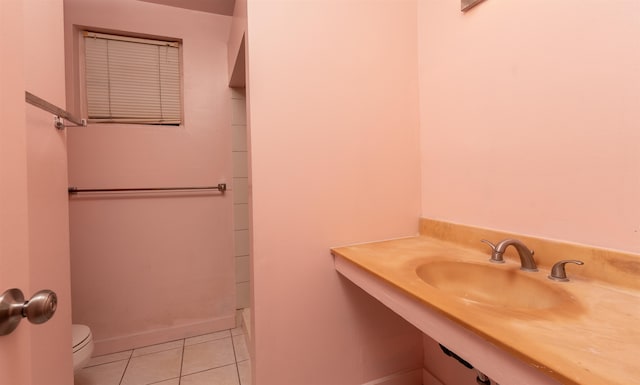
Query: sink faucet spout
{"x": 526, "y": 256}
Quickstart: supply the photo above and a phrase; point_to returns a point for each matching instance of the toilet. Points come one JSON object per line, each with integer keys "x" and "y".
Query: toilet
{"x": 82, "y": 342}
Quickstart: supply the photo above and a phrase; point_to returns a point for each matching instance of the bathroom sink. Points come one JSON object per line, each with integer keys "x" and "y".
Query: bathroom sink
{"x": 492, "y": 284}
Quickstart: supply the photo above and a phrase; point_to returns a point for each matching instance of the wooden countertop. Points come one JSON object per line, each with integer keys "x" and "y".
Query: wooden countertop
{"x": 591, "y": 339}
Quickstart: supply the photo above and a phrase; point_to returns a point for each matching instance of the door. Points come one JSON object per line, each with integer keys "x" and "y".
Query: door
{"x": 34, "y": 236}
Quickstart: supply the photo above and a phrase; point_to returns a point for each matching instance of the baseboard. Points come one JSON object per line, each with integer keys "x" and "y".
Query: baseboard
{"x": 156, "y": 336}
{"x": 409, "y": 377}
{"x": 429, "y": 379}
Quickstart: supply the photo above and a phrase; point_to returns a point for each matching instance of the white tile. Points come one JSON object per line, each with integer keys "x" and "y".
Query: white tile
{"x": 240, "y": 348}
{"x": 226, "y": 375}
{"x": 240, "y": 164}
{"x": 207, "y": 337}
{"x": 207, "y": 355}
{"x": 173, "y": 381}
{"x": 241, "y": 216}
{"x": 99, "y": 360}
{"x": 244, "y": 370}
{"x": 106, "y": 374}
{"x": 241, "y": 243}
{"x": 154, "y": 367}
{"x": 158, "y": 348}
{"x": 243, "y": 298}
{"x": 240, "y": 190}
{"x": 239, "y": 138}
{"x": 242, "y": 269}
{"x": 238, "y": 111}
{"x": 238, "y": 93}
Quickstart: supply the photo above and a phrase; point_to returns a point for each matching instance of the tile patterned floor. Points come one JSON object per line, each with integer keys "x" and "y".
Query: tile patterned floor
{"x": 213, "y": 359}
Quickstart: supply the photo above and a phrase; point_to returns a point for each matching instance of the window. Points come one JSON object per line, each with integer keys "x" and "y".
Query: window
{"x": 132, "y": 80}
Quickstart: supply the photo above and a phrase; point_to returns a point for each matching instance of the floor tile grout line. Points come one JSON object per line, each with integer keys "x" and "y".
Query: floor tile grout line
{"x": 161, "y": 350}
{"x": 161, "y": 381}
{"x": 124, "y": 371}
{"x": 214, "y": 367}
{"x": 184, "y": 342}
{"x": 105, "y": 363}
{"x": 235, "y": 358}
{"x": 209, "y": 369}
{"x": 246, "y": 348}
{"x": 233, "y": 346}
{"x": 130, "y": 351}
{"x": 126, "y": 366}
{"x": 142, "y": 355}
{"x": 238, "y": 374}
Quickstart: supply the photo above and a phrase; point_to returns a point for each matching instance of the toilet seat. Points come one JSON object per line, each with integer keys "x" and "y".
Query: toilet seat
{"x": 80, "y": 335}
{"x": 82, "y": 345}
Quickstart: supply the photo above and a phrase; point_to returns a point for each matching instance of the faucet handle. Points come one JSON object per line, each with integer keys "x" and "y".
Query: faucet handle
{"x": 496, "y": 257}
{"x": 493, "y": 247}
{"x": 558, "y": 272}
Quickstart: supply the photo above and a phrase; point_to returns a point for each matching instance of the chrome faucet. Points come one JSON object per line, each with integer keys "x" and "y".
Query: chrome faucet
{"x": 527, "y": 263}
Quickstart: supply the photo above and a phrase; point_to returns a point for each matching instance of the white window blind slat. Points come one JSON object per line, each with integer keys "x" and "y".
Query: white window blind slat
{"x": 132, "y": 81}
{"x": 170, "y": 81}
{"x": 98, "y": 81}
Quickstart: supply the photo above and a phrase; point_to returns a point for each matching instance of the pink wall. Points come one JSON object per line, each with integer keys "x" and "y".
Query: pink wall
{"x": 34, "y": 231}
{"x": 529, "y": 118}
{"x": 332, "y": 94}
{"x": 151, "y": 268}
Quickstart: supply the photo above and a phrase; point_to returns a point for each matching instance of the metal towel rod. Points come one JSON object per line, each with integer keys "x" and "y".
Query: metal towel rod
{"x": 57, "y": 111}
{"x": 222, "y": 187}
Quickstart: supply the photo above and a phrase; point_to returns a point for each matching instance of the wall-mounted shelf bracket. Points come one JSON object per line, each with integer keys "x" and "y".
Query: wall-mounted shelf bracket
{"x": 60, "y": 115}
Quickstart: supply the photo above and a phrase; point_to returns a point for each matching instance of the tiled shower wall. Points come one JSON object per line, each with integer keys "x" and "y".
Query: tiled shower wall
{"x": 240, "y": 196}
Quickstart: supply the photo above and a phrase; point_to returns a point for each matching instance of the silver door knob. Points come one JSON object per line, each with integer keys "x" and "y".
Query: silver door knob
{"x": 39, "y": 309}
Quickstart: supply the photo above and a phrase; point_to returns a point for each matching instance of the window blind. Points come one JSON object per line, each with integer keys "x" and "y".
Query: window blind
{"x": 131, "y": 80}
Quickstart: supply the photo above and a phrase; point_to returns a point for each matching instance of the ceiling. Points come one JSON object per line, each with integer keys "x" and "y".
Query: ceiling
{"x": 221, "y": 7}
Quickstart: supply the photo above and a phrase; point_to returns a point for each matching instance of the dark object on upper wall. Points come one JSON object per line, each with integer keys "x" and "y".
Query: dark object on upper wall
{"x": 466, "y": 5}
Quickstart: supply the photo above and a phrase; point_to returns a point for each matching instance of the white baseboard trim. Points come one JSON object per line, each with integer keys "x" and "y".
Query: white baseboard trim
{"x": 409, "y": 377}
{"x": 156, "y": 336}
